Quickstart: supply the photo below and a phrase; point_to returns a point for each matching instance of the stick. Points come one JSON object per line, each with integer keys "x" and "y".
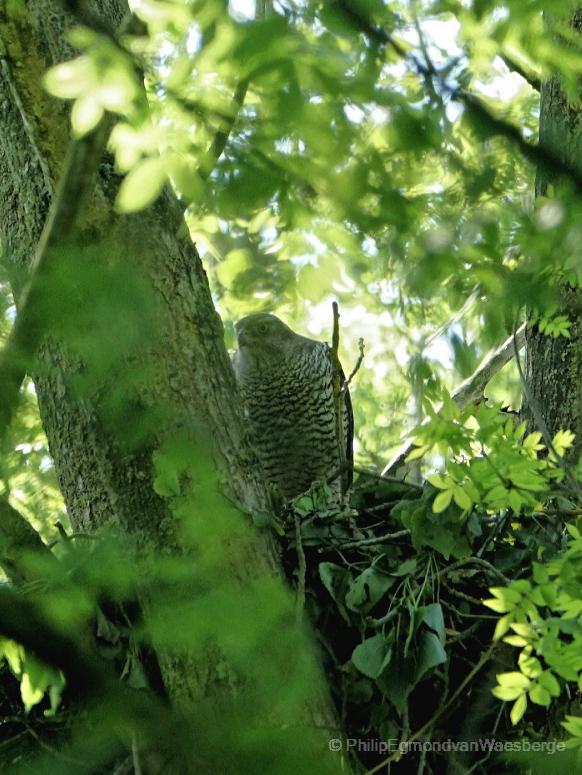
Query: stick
{"x": 471, "y": 390}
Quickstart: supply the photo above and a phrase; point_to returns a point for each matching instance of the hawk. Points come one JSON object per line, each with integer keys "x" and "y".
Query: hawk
{"x": 287, "y": 386}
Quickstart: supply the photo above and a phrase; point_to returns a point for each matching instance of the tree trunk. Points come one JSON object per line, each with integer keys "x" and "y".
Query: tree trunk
{"x": 554, "y": 366}
{"x": 178, "y": 376}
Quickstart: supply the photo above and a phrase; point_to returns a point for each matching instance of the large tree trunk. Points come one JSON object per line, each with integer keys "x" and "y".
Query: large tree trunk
{"x": 179, "y": 376}
{"x": 554, "y": 366}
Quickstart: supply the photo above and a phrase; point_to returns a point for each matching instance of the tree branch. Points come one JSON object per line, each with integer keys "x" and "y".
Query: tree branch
{"x": 18, "y": 540}
{"x": 537, "y": 154}
{"x": 337, "y": 389}
{"x": 471, "y": 389}
{"x": 527, "y": 75}
{"x": 221, "y": 137}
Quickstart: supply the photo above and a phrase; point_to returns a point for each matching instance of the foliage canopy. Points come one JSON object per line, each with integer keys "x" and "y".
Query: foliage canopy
{"x": 382, "y": 155}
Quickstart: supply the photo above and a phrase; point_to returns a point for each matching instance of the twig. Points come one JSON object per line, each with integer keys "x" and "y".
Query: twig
{"x": 462, "y": 595}
{"x": 17, "y": 539}
{"x": 301, "y": 571}
{"x": 452, "y": 699}
{"x": 460, "y": 636}
{"x": 385, "y": 478}
{"x": 54, "y": 751}
{"x": 480, "y": 762}
{"x": 361, "y": 348}
{"x": 68, "y": 537}
{"x": 540, "y": 155}
{"x": 135, "y": 757}
{"x": 218, "y": 144}
{"x": 498, "y": 528}
{"x": 471, "y": 390}
{"x": 475, "y": 561}
{"x": 337, "y": 390}
{"x": 371, "y": 541}
{"x": 531, "y": 78}
{"x": 125, "y": 767}
{"x": 386, "y": 619}
{"x": 220, "y": 139}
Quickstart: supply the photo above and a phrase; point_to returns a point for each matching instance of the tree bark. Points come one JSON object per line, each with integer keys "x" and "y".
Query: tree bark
{"x": 179, "y": 377}
{"x": 554, "y": 366}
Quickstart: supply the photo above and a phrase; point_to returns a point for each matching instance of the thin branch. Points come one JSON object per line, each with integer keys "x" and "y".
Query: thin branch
{"x": 301, "y": 571}
{"x": 137, "y": 769}
{"x": 527, "y": 75}
{"x": 347, "y": 382}
{"x": 450, "y": 703}
{"x": 471, "y": 390}
{"x": 337, "y": 389}
{"x": 386, "y": 619}
{"x": 78, "y": 763}
{"x": 18, "y": 540}
{"x": 220, "y": 139}
{"x": 543, "y": 156}
{"x": 487, "y": 566}
{"x": 87, "y": 673}
{"x": 370, "y": 541}
{"x": 385, "y": 478}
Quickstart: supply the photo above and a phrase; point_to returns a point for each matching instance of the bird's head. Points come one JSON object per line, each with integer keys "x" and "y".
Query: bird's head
{"x": 264, "y": 335}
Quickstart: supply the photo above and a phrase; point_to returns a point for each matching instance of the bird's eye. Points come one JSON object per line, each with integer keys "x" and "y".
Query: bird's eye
{"x": 263, "y": 328}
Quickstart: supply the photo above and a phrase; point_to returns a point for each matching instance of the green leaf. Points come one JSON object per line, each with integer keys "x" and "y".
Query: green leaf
{"x": 502, "y": 626}
{"x": 87, "y": 112}
{"x": 462, "y": 499}
{"x": 71, "y": 79}
{"x": 439, "y": 482}
{"x": 548, "y": 680}
{"x": 432, "y": 616}
{"x": 372, "y": 656}
{"x": 540, "y": 696}
{"x": 506, "y": 693}
{"x": 499, "y": 606}
{"x": 513, "y": 679}
{"x": 519, "y": 708}
{"x": 31, "y": 695}
{"x": 573, "y": 724}
{"x": 233, "y": 264}
{"x": 14, "y": 655}
{"x": 367, "y": 589}
{"x": 442, "y": 501}
{"x": 141, "y": 186}
{"x": 431, "y": 653}
{"x": 337, "y": 581}
{"x": 530, "y": 666}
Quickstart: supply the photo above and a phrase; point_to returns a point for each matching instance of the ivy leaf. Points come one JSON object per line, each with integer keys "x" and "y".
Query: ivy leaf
{"x": 372, "y": 656}
{"x": 367, "y": 589}
{"x": 337, "y": 581}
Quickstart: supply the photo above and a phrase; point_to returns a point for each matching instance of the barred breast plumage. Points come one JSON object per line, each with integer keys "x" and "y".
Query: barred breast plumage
{"x": 286, "y": 382}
